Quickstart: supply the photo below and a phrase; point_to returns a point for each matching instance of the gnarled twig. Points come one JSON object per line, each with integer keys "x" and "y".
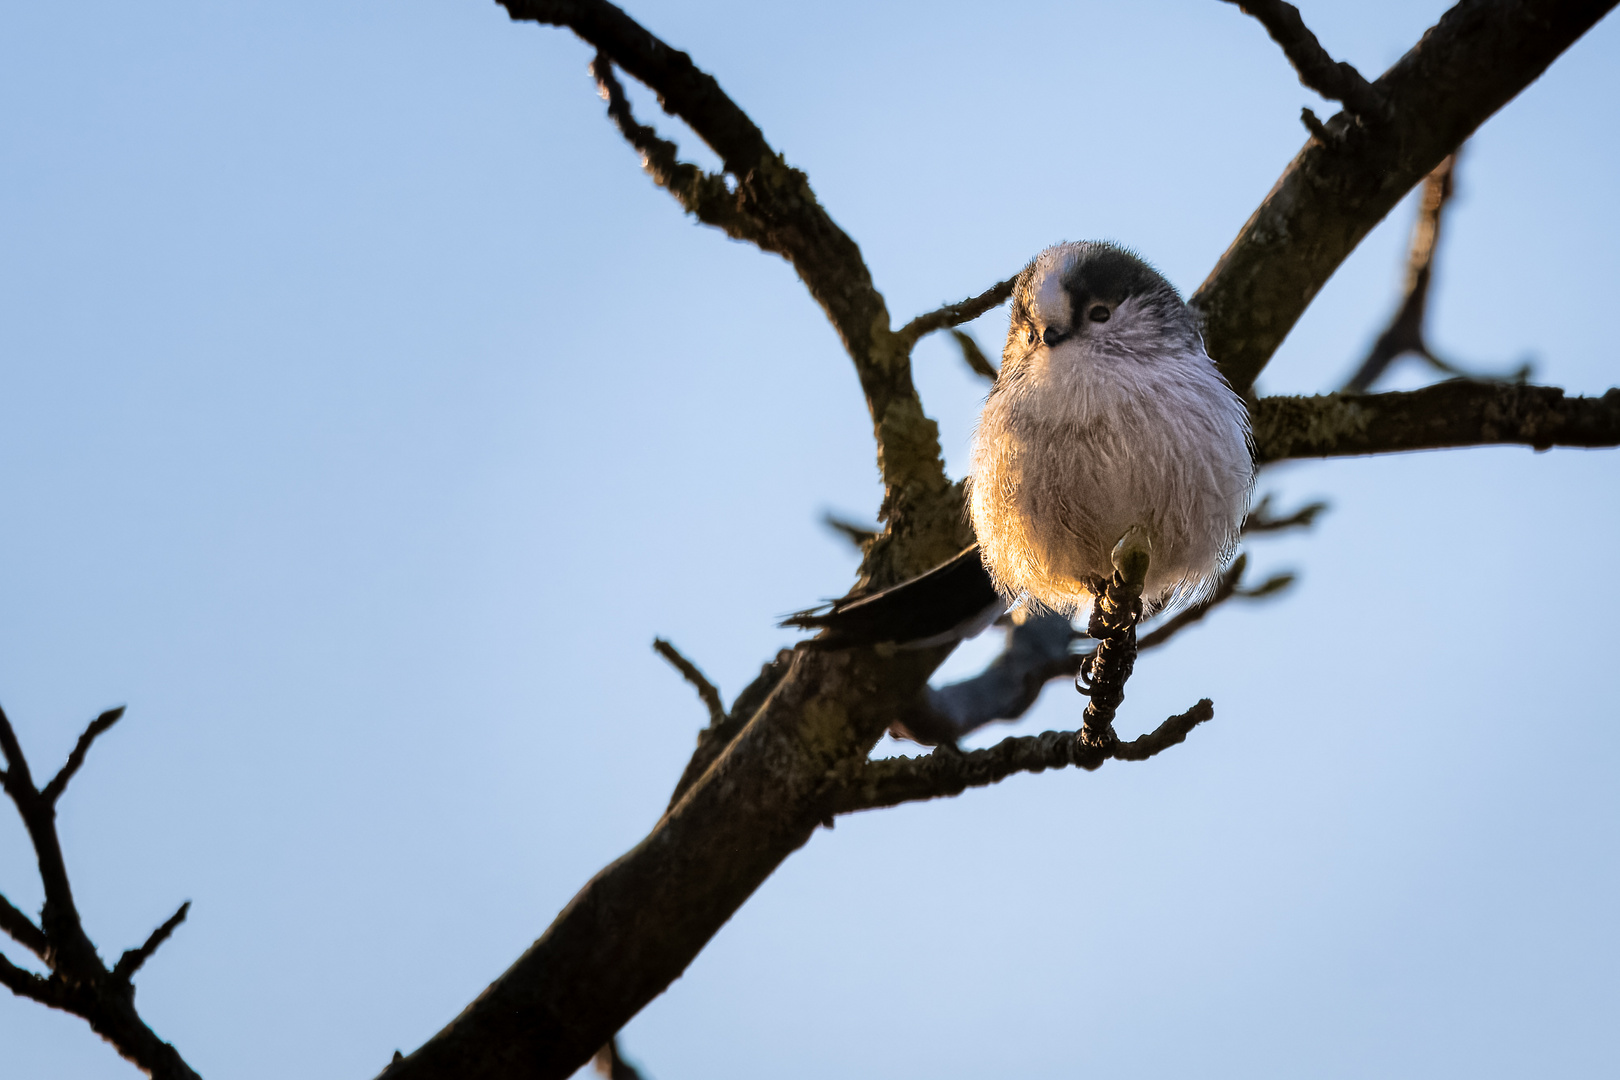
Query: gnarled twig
{"x": 892, "y": 781}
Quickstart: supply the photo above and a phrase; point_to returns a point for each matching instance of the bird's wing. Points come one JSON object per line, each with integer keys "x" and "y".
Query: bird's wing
{"x": 950, "y": 601}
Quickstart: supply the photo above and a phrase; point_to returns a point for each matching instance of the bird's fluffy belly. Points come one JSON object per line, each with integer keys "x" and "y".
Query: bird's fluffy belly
{"x": 1053, "y": 490}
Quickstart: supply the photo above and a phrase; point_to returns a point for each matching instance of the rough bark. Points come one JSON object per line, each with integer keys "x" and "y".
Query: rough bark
{"x": 1449, "y": 414}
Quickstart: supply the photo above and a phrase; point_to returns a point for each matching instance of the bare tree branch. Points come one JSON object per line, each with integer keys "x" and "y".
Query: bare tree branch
{"x": 1335, "y": 80}
{"x": 79, "y": 982}
{"x": 611, "y": 1064}
{"x": 131, "y": 961}
{"x": 859, "y": 535}
{"x": 1262, "y": 520}
{"x": 53, "y": 790}
{"x": 701, "y": 194}
{"x": 1449, "y": 414}
{"x": 953, "y": 315}
{"x": 773, "y": 207}
{"x": 21, "y": 929}
{"x": 689, "y": 671}
{"x": 1405, "y": 333}
{"x": 974, "y": 356}
{"x": 741, "y": 810}
{"x": 892, "y": 781}
{"x": 26, "y": 984}
{"x": 1472, "y": 62}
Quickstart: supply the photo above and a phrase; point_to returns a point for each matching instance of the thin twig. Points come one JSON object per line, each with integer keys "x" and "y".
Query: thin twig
{"x": 1406, "y": 333}
{"x": 131, "y": 961}
{"x": 684, "y": 90}
{"x": 612, "y": 1064}
{"x": 22, "y": 929}
{"x": 59, "y": 782}
{"x": 955, "y": 314}
{"x": 1261, "y": 519}
{"x": 1333, "y": 79}
{"x": 79, "y": 982}
{"x": 26, "y": 984}
{"x": 974, "y": 356}
{"x": 701, "y": 194}
{"x": 859, "y": 535}
{"x": 689, "y": 671}
{"x": 892, "y": 781}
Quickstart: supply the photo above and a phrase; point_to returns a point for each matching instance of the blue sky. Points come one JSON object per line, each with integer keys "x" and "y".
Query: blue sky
{"x": 365, "y": 412}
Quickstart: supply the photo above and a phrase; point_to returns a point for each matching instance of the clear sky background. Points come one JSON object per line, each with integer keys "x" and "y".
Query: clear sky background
{"x": 365, "y": 412}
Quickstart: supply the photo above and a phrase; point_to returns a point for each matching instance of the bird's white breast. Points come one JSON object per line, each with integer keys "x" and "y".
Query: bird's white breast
{"x": 1084, "y": 443}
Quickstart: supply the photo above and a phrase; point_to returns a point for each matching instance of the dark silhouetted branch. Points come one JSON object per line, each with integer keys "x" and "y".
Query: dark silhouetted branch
{"x": 1471, "y": 63}
{"x": 1449, "y": 414}
{"x": 689, "y": 671}
{"x": 892, "y": 781}
{"x": 952, "y": 315}
{"x": 611, "y": 1064}
{"x": 78, "y": 982}
{"x": 59, "y": 782}
{"x": 1334, "y": 80}
{"x": 21, "y": 929}
{"x": 131, "y": 961}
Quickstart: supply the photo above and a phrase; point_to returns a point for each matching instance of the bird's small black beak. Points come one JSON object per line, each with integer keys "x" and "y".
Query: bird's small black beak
{"x": 1051, "y": 336}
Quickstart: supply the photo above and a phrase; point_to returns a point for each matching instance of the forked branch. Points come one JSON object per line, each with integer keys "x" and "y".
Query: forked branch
{"x": 78, "y": 982}
{"x": 1472, "y": 62}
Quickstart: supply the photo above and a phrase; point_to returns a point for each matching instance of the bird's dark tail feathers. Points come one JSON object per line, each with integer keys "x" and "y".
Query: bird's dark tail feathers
{"x": 952, "y": 601}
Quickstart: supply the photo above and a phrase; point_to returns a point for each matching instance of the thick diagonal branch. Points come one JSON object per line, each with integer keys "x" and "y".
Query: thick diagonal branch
{"x": 1449, "y": 414}
{"x": 892, "y": 781}
{"x": 1472, "y": 62}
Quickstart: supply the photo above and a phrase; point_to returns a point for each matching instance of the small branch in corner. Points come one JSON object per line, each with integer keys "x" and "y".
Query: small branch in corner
{"x": 706, "y": 690}
{"x": 1335, "y": 80}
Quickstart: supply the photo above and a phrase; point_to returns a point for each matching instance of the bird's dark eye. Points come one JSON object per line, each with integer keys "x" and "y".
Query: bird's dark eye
{"x": 1030, "y": 339}
{"x": 1098, "y": 314}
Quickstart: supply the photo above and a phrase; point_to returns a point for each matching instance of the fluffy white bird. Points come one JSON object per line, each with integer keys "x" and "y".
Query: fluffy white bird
{"x": 1107, "y": 416}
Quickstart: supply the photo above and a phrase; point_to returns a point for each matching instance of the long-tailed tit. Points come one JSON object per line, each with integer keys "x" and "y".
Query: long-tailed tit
{"x": 1107, "y": 416}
